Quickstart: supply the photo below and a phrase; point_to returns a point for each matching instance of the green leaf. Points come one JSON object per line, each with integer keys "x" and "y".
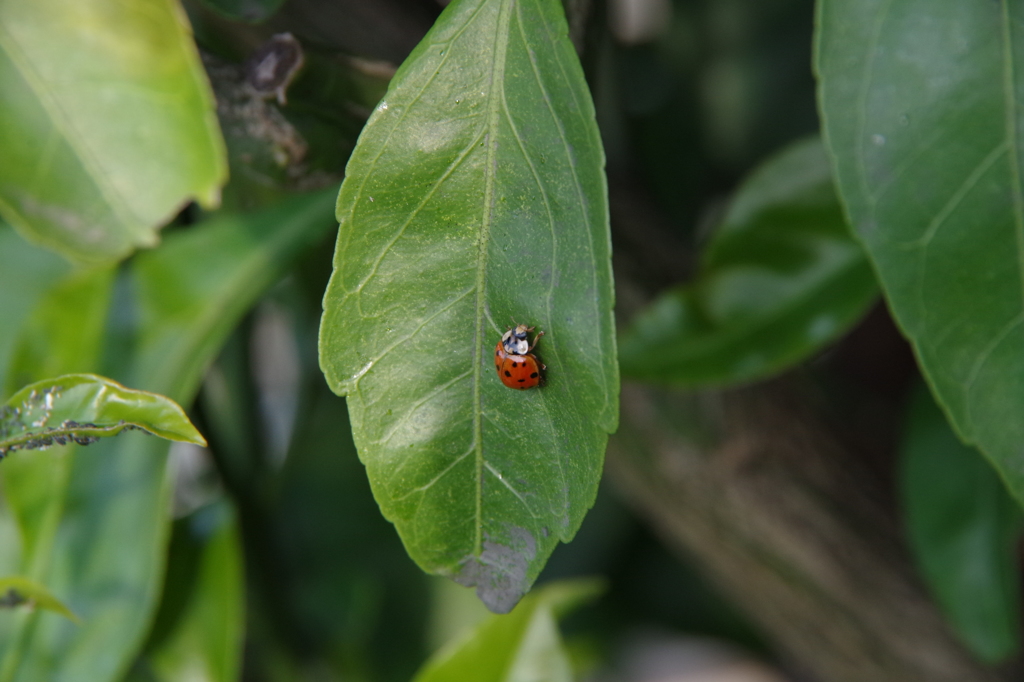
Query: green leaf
{"x": 523, "y": 646}
{"x": 204, "y": 640}
{"x": 26, "y": 274}
{"x": 108, "y": 123}
{"x": 64, "y": 333}
{"x": 923, "y": 120}
{"x": 111, "y": 524}
{"x": 964, "y": 530}
{"x": 351, "y": 589}
{"x": 475, "y": 195}
{"x": 780, "y": 279}
{"x": 196, "y": 287}
{"x": 17, "y": 591}
{"x": 82, "y": 408}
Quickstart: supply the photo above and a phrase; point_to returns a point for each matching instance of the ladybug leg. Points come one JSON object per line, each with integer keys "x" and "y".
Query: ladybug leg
{"x": 535, "y": 339}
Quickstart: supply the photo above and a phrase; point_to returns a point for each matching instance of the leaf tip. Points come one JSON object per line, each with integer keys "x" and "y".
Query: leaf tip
{"x": 501, "y": 572}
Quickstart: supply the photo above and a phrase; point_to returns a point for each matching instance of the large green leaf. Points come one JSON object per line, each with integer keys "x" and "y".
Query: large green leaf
{"x": 780, "y": 278}
{"x": 921, "y": 106}
{"x": 475, "y": 195}
{"x": 107, "y": 126}
{"x": 111, "y": 524}
{"x": 523, "y": 646}
{"x": 964, "y": 529}
{"x": 82, "y": 408}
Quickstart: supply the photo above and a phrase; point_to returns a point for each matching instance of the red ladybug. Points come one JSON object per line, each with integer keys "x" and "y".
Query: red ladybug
{"x": 517, "y": 366}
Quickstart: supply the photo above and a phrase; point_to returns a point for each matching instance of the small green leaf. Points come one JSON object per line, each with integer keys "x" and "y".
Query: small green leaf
{"x": 476, "y": 194}
{"x": 18, "y": 591}
{"x": 780, "y": 279}
{"x": 523, "y": 646}
{"x": 82, "y": 408}
{"x": 964, "y": 530}
{"x": 921, "y": 108}
{"x": 107, "y": 126}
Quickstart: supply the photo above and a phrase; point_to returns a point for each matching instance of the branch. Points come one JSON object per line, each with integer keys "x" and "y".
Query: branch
{"x": 790, "y": 524}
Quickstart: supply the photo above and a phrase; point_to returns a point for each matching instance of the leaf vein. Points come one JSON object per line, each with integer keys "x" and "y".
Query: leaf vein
{"x": 956, "y": 198}
{"x": 580, "y": 195}
{"x": 416, "y": 211}
{"x": 983, "y": 358}
{"x": 497, "y": 76}
{"x": 432, "y": 482}
{"x": 519, "y": 496}
{"x": 419, "y": 403}
{"x": 62, "y": 123}
{"x": 405, "y": 339}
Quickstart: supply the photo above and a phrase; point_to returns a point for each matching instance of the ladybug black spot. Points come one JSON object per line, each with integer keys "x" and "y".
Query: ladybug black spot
{"x": 533, "y": 376}
{"x": 508, "y": 373}
{"x": 522, "y": 380}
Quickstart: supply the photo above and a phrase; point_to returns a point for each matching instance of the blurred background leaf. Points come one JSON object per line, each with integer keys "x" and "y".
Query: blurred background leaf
{"x": 524, "y": 645}
{"x": 108, "y": 527}
{"x": 199, "y": 627}
{"x": 779, "y": 279}
{"x": 26, "y": 274}
{"x": 107, "y": 127}
{"x": 964, "y": 529}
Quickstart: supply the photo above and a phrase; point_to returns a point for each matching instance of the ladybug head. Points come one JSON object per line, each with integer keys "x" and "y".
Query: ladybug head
{"x": 521, "y": 331}
{"x": 515, "y": 340}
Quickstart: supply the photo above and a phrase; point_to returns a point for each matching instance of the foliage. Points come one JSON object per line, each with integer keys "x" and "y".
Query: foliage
{"x": 96, "y": 94}
{"x": 780, "y": 278}
{"x": 46, "y": 413}
{"x": 16, "y": 591}
{"x": 964, "y": 528}
{"x": 927, "y": 158}
{"x": 749, "y": 245}
{"x": 524, "y": 646}
{"x": 475, "y": 195}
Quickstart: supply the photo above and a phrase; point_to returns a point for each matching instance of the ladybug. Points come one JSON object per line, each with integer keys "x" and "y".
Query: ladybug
{"x": 517, "y": 366}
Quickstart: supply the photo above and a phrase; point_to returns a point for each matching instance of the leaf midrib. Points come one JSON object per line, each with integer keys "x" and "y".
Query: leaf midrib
{"x": 61, "y": 123}
{"x": 493, "y": 117}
